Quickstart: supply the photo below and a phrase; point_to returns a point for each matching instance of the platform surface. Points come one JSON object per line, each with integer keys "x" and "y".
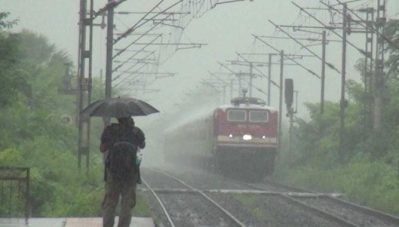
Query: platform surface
{"x": 71, "y": 222}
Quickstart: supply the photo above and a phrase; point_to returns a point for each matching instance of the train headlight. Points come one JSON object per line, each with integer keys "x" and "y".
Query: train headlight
{"x": 246, "y": 137}
{"x": 264, "y": 137}
{"x": 231, "y": 136}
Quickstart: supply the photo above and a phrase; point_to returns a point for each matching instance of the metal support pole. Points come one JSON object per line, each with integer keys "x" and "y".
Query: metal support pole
{"x": 250, "y": 78}
{"x": 368, "y": 69}
{"x": 379, "y": 82}
{"x": 224, "y": 94}
{"x": 371, "y": 65}
{"x": 231, "y": 89}
{"x": 343, "y": 78}
{"x": 84, "y": 75}
{"x": 291, "y": 116}
{"x": 367, "y": 50}
{"x": 89, "y": 83}
{"x": 269, "y": 82}
{"x": 323, "y": 71}
{"x": 108, "y": 64}
{"x": 239, "y": 84}
{"x": 280, "y": 114}
{"x": 80, "y": 76}
{"x": 366, "y": 59}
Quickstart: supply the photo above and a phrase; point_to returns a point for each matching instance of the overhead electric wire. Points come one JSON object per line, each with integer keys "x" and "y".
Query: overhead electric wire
{"x": 289, "y": 58}
{"x": 137, "y": 63}
{"x": 135, "y": 54}
{"x": 130, "y": 79}
{"x": 257, "y": 69}
{"x": 224, "y": 66}
{"x": 137, "y": 12}
{"x": 135, "y": 26}
{"x": 106, "y": 7}
{"x": 153, "y": 17}
{"x": 260, "y": 90}
{"x": 218, "y": 78}
{"x": 372, "y": 27}
{"x": 130, "y": 72}
{"x": 336, "y": 33}
{"x": 141, "y": 36}
{"x": 305, "y": 47}
{"x": 295, "y": 27}
{"x": 228, "y": 1}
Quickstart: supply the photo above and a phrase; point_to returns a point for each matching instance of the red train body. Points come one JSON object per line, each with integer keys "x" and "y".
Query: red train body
{"x": 245, "y": 126}
{"x": 242, "y": 136}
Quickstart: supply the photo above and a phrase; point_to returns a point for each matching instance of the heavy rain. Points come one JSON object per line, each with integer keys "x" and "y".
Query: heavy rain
{"x": 199, "y": 113}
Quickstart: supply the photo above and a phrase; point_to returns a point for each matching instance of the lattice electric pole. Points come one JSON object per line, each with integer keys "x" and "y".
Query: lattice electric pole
{"x": 346, "y": 30}
{"x": 269, "y": 80}
{"x": 379, "y": 80}
{"x": 109, "y": 54}
{"x": 343, "y": 102}
{"x": 84, "y": 76}
{"x": 369, "y": 49}
{"x": 323, "y": 70}
{"x": 280, "y": 117}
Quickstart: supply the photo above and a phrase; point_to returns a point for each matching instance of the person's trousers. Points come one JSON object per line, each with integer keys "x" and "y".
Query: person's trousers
{"x": 127, "y": 192}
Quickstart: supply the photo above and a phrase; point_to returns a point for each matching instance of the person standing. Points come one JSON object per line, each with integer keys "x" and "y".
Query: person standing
{"x": 119, "y": 143}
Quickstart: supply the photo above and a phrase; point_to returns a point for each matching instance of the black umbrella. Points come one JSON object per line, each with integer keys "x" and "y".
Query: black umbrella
{"x": 119, "y": 107}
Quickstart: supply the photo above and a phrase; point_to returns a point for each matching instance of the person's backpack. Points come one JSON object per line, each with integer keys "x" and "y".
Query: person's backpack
{"x": 121, "y": 160}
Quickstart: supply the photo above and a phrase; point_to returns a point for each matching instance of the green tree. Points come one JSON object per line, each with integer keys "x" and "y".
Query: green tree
{"x": 368, "y": 171}
{"x": 32, "y": 133}
{"x": 4, "y": 23}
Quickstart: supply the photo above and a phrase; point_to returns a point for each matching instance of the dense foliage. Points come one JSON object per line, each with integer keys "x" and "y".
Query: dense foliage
{"x": 38, "y": 129}
{"x": 35, "y": 128}
{"x": 367, "y": 169}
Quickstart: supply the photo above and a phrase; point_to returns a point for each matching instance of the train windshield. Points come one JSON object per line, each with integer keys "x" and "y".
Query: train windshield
{"x": 236, "y": 115}
{"x": 258, "y": 116}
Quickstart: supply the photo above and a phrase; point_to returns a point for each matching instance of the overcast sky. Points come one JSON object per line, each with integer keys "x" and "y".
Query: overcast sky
{"x": 225, "y": 29}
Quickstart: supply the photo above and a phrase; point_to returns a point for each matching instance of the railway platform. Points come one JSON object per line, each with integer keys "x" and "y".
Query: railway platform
{"x": 71, "y": 222}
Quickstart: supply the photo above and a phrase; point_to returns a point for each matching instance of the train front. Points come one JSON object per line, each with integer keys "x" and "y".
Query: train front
{"x": 246, "y": 137}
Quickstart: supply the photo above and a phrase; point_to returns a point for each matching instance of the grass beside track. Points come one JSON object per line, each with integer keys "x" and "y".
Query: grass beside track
{"x": 373, "y": 184}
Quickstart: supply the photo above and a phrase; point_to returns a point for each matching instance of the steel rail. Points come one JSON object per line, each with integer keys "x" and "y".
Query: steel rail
{"x": 244, "y": 192}
{"x": 366, "y": 210}
{"x": 291, "y": 199}
{"x": 286, "y": 187}
{"x": 160, "y": 202}
{"x": 356, "y": 207}
{"x": 323, "y": 214}
{"x": 226, "y": 212}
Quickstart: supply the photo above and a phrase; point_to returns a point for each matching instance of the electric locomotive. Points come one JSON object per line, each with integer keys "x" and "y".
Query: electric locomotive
{"x": 240, "y": 137}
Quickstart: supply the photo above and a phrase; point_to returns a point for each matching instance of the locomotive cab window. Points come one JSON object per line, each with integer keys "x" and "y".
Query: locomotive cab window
{"x": 258, "y": 116}
{"x": 236, "y": 115}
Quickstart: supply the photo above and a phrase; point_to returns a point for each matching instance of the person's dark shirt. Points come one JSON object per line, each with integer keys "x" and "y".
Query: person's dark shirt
{"x": 117, "y": 132}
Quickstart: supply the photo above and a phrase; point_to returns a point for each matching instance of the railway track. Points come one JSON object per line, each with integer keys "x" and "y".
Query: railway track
{"x": 351, "y": 213}
{"x": 201, "y": 210}
{"x": 183, "y": 204}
